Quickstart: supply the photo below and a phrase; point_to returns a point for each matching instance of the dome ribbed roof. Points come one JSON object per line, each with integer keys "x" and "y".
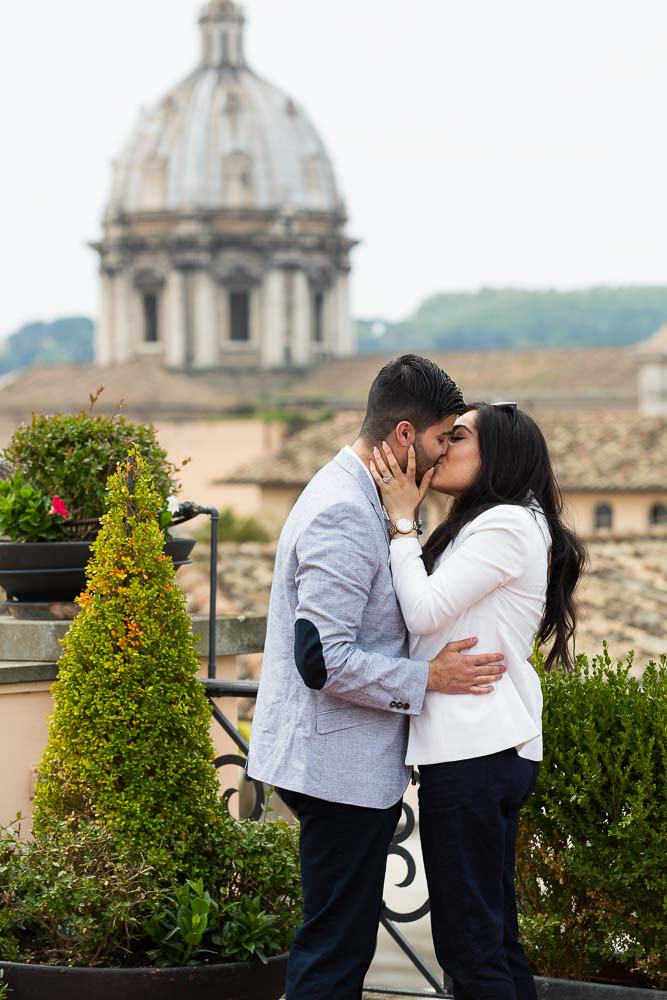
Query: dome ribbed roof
{"x": 224, "y": 139}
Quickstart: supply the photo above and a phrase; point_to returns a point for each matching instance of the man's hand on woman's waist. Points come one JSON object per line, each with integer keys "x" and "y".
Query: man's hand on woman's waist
{"x": 455, "y": 672}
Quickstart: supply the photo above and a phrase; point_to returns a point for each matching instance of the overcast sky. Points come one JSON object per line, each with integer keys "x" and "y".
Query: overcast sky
{"x": 476, "y": 142}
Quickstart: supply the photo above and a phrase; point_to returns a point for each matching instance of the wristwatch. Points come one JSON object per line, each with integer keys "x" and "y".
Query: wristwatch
{"x": 402, "y": 526}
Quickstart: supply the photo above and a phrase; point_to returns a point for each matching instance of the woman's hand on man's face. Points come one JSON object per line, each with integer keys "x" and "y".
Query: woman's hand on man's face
{"x": 400, "y": 493}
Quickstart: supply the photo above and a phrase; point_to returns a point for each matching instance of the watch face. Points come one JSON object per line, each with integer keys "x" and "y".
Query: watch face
{"x": 404, "y": 525}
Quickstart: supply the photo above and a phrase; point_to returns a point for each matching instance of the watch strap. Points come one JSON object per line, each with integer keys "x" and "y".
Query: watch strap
{"x": 394, "y": 529}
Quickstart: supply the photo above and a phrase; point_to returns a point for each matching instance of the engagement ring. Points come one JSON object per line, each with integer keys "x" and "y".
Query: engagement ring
{"x": 387, "y": 479}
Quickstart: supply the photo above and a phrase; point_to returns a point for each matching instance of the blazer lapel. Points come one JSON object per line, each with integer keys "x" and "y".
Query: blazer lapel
{"x": 353, "y": 467}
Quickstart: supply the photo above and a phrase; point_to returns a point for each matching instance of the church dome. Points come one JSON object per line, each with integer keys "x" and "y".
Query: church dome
{"x": 224, "y": 139}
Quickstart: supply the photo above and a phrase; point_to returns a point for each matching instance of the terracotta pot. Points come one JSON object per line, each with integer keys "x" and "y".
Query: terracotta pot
{"x": 56, "y": 571}
{"x": 232, "y": 981}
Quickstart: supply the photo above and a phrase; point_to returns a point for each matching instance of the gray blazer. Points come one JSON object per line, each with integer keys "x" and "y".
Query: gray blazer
{"x": 336, "y": 687}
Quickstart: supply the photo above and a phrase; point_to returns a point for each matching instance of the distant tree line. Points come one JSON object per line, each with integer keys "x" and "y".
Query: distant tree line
{"x": 507, "y": 318}
{"x": 502, "y": 318}
{"x": 66, "y": 341}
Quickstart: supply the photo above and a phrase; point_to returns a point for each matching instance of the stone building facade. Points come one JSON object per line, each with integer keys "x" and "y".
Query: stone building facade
{"x": 224, "y": 238}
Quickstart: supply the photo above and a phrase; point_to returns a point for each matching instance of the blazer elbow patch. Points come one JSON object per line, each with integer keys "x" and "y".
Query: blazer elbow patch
{"x": 308, "y": 654}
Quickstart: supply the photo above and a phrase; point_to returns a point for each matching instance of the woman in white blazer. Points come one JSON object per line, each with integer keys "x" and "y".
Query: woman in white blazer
{"x": 502, "y": 566}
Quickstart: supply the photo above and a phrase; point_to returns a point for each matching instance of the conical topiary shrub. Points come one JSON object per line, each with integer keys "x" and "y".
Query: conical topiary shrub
{"x": 129, "y": 744}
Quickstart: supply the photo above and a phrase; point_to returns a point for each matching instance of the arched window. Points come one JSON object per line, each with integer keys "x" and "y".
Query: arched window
{"x": 151, "y": 330}
{"x": 239, "y": 316}
{"x": 318, "y": 317}
{"x": 658, "y": 515}
{"x": 603, "y": 517}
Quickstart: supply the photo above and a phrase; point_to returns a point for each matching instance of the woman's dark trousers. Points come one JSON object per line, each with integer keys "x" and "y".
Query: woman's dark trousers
{"x": 343, "y": 861}
{"x": 468, "y": 821}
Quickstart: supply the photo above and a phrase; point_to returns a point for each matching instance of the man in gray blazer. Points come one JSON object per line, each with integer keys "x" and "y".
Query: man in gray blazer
{"x": 336, "y": 690}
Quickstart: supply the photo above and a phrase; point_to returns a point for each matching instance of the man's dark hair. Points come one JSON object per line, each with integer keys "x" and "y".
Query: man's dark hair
{"x": 409, "y": 388}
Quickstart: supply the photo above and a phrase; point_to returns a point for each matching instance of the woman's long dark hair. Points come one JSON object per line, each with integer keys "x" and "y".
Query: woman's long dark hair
{"x": 516, "y": 469}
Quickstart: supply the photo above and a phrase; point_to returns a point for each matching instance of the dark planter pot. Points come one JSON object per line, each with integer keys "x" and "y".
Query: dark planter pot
{"x": 232, "y": 981}
{"x": 570, "y": 989}
{"x": 56, "y": 571}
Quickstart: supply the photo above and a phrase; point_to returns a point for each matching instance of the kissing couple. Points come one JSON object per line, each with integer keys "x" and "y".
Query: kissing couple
{"x": 382, "y": 656}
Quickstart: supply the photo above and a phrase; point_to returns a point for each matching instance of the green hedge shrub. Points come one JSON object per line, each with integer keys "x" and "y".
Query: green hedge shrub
{"x": 129, "y": 744}
{"x": 592, "y": 851}
{"x": 78, "y": 896}
{"x": 75, "y": 898}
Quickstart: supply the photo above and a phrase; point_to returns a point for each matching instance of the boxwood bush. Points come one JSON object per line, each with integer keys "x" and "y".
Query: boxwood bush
{"x": 129, "y": 743}
{"x": 592, "y": 851}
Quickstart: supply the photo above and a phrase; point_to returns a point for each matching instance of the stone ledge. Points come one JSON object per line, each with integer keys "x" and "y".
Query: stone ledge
{"x": 25, "y": 672}
{"x": 37, "y": 643}
{"x": 235, "y": 634}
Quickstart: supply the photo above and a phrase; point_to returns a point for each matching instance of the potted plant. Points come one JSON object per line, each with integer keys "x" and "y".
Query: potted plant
{"x": 137, "y": 882}
{"x": 54, "y": 474}
{"x": 591, "y": 871}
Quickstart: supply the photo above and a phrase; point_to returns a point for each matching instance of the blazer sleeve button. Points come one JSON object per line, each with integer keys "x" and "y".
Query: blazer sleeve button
{"x": 407, "y": 705}
{"x": 393, "y": 704}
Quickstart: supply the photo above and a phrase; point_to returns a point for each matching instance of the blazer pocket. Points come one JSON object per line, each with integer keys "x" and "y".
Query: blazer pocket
{"x": 345, "y": 718}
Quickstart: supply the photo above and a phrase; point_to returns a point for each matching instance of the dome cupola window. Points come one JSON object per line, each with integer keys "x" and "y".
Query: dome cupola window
{"x": 237, "y": 179}
{"x": 233, "y": 103}
{"x": 312, "y": 171}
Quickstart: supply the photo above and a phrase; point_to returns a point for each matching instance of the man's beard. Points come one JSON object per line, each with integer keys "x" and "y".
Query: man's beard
{"x": 423, "y": 462}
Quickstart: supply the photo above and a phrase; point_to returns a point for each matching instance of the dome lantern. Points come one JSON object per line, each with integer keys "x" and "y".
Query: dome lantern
{"x": 222, "y": 24}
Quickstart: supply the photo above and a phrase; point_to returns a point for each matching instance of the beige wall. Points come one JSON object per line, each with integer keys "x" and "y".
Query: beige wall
{"x": 275, "y": 504}
{"x": 216, "y": 448}
{"x": 24, "y": 711}
{"x": 630, "y": 512}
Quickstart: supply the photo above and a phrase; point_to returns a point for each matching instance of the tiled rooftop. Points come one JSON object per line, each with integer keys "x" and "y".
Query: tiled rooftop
{"x": 570, "y": 378}
{"x": 623, "y": 597}
{"x": 147, "y": 388}
{"x": 592, "y": 451}
{"x": 591, "y": 376}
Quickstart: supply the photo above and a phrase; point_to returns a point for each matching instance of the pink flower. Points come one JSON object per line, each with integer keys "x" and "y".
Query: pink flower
{"x": 58, "y": 507}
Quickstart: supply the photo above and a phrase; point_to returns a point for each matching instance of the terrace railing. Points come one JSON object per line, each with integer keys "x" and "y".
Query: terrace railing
{"x": 391, "y": 918}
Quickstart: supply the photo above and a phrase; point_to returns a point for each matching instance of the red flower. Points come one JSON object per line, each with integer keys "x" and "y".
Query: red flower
{"x": 58, "y": 507}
